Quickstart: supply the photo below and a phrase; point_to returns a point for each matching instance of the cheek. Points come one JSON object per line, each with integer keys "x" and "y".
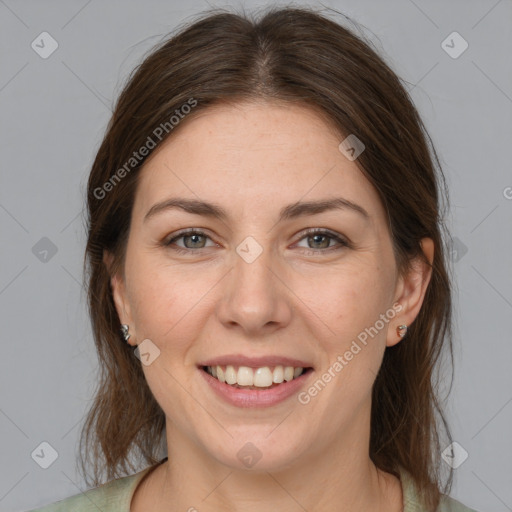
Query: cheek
{"x": 351, "y": 299}
{"x": 351, "y": 305}
{"x": 158, "y": 298}
{"x": 170, "y": 303}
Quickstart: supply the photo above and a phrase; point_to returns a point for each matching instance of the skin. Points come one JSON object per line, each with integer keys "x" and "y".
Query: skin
{"x": 253, "y": 159}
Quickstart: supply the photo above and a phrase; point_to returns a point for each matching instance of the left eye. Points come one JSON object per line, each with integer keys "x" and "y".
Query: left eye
{"x": 318, "y": 240}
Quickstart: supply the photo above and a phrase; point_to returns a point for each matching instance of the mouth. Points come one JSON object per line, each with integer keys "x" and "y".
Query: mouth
{"x": 260, "y": 378}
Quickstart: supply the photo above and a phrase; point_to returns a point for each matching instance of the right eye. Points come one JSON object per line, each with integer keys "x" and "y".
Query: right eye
{"x": 192, "y": 239}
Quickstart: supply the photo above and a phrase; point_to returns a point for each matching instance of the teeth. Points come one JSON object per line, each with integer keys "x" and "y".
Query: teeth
{"x": 245, "y": 376}
{"x": 278, "y": 376}
{"x": 288, "y": 373}
{"x": 262, "y": 377}
{"x": 230, "y": 375}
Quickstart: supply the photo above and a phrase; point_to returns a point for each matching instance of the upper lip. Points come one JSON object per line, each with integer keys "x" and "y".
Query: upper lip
{"x": 255, "y": 362}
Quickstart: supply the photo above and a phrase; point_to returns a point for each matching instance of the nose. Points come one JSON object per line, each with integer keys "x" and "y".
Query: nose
{"x": 255, "y": 298}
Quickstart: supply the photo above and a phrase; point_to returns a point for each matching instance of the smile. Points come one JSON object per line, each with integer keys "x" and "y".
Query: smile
{"x": 255, "y": 382}
{"x": 245, "y": 377}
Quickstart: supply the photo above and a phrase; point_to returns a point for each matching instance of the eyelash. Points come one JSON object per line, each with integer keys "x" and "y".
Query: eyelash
{"x": 313, "y": 231}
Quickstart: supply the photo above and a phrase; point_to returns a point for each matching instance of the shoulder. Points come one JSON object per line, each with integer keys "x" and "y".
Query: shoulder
{"x": 448, "y": 504}
{"x": 412, "y": 502}
{"x": 114, "y": 496}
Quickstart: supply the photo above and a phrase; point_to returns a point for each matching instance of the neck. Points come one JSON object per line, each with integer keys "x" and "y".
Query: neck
{"x": 341, "y": 479}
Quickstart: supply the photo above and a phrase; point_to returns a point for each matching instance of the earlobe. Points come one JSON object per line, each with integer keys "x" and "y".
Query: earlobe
{"x": 411, "y": 292}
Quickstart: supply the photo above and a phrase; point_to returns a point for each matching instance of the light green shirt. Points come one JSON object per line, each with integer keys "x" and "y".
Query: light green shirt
{"x": 116, "y": 496}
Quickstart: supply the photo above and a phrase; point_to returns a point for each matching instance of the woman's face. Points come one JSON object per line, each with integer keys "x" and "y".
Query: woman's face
{"x": 254, "y": 289}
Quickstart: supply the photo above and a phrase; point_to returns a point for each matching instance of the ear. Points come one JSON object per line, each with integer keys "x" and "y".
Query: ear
{"x": 119, "y": 295}
{"x": 411, "y": 290}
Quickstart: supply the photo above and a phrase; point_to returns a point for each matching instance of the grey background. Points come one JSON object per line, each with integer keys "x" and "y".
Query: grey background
{"x": 53, "y": 114}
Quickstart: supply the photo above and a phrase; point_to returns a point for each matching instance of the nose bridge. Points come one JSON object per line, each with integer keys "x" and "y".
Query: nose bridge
{"x": 252, "y": 297}
{"x": 252, "y": 270}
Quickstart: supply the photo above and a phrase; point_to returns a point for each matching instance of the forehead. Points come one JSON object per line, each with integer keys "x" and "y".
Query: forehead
{"x": 254, "y": 155}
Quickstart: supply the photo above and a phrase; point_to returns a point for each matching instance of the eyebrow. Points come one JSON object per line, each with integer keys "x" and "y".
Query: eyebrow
{"x": 294, "y": 210}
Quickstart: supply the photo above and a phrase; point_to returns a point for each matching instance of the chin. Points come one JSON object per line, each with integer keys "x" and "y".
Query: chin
{"x": 259, "y": 451}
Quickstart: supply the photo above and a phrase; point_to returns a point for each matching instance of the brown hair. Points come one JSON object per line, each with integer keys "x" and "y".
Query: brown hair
{"x": 292, "y": 55}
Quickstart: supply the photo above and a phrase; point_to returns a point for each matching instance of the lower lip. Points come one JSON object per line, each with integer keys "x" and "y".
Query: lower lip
{"x": 255, "y": 397}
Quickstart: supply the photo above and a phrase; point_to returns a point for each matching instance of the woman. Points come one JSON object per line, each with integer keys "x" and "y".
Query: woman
{"x": 265, "y": 237}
